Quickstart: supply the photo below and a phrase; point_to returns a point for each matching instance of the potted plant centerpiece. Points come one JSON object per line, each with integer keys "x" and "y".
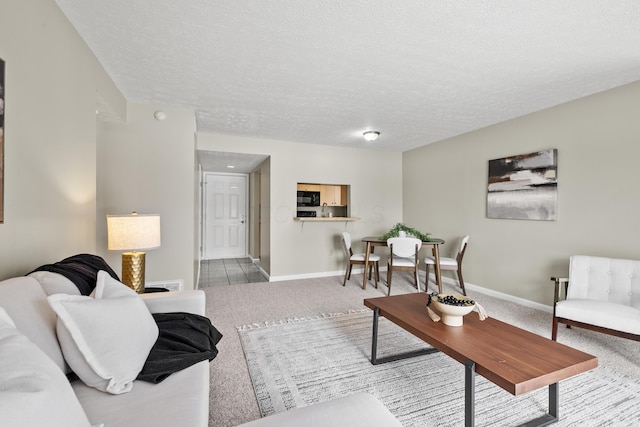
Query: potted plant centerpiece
{"x": 401, "y": 230}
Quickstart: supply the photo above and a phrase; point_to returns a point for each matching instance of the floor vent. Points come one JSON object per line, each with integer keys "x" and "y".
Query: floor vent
{"x": 172, "y": 285}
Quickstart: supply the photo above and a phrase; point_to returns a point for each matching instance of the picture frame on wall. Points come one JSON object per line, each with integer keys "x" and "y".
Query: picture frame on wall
{"x": 2, "y": 92}
{"x": 524, "y": 186}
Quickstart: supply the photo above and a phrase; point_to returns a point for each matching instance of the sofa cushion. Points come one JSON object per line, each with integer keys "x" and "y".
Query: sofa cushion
{"x": 360, "y": 409}
{"x": 23, "y": 299}
{"x": 180, "y": 400}
{"x": 33, "y": 391}
{"x": 55, "y": 283}
{"x": 106, "y": 339}
{"x": 610, "y": 315}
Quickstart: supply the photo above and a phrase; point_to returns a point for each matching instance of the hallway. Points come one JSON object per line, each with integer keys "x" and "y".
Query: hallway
{"x": 232, "y": 271}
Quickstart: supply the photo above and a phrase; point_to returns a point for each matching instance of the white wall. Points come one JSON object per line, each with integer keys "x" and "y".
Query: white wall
{"x": 296, "y": 248}
{"x": 52, "y": 80}
{"x": 598, "y": 142}
{"x": 148, "y": 166}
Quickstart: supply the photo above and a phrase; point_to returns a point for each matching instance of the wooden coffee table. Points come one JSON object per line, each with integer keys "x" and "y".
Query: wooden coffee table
{"x": 512, "y": 358}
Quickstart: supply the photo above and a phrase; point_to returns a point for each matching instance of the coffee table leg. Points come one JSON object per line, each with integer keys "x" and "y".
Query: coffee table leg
{"x": 554, "y": 404}
{"x": 470, "y": 404}
{"x": 393, "y": 358}
{"x": 469, "y": 393}
{"x": 554, "y": 401}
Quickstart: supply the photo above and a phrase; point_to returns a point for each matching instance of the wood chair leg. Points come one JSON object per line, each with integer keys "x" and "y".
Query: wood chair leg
{"x": 347, "y": 274}
{"x": 426, "y": 279}
{"x": 389, "y": 281}
{"x": 461, "y": 280}
{"x": 377, "y": 273}
{"x": 415, "y": 278}
{"x": 554, "y": 329}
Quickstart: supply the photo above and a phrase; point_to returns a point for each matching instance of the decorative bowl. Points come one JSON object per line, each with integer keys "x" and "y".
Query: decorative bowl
{"x": 452, "y": 314}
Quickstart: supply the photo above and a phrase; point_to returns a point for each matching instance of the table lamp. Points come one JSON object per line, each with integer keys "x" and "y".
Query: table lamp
{"x": 133, "y": 233}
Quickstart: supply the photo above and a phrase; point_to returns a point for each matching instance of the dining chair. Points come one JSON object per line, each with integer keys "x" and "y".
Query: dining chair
{"x": 449, "y": 263}
{"x": 358, "y": 258}
{"x": 403, "y": 255}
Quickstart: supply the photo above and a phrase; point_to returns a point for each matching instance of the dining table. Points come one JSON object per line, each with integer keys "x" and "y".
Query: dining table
{"x": 433, "y": 243}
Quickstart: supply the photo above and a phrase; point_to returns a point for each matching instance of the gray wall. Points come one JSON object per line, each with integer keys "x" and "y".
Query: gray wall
{"x": 298, "y": 249}
{"x": 148, "y": 166}
{"x": 598, "y": 142}
{"x": 52, "y": 82}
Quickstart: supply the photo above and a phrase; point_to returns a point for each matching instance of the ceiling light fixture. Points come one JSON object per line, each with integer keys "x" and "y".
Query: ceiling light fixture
{"x": 371, "y": 135}
{"x": 231, "y": 166}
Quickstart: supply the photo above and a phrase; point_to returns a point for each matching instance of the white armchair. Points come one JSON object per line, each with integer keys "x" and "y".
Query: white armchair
{"x": 601, "y": 294}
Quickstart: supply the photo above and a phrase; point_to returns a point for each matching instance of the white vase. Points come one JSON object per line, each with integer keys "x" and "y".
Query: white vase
{"x": 402, "y": 233}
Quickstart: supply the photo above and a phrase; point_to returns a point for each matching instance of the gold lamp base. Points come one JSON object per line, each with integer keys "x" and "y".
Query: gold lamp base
{"x": 133, "y": 270}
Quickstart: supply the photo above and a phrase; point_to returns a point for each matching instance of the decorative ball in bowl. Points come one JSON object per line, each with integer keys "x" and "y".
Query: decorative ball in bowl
{"x": 452, "y": 308}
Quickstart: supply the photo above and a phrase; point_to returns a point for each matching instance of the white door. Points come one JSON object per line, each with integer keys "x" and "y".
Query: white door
{"x": 225, "y": 216}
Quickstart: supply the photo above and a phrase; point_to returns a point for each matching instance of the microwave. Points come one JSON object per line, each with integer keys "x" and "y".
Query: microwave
{"x": 308, "y": 198}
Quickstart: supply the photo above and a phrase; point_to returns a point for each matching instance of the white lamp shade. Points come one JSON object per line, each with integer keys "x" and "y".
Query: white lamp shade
{"x": 133, "y": 232}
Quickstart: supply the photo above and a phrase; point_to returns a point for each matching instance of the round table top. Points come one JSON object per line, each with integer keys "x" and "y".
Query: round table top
{"x": 377, "y": 239}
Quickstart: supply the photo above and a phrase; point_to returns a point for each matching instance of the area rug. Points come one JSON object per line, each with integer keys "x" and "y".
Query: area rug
{"x": 300, "y": 362}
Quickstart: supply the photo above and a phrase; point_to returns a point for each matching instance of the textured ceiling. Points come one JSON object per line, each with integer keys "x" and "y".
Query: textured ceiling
{"x": 323, "y": 71}
{"x": 216, "y": 161}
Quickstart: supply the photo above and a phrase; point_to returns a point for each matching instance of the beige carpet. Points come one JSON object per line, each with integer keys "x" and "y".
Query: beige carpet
{"x": 232, "y": 399}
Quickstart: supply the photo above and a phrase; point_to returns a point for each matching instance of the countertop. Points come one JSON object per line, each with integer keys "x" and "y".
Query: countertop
{"x": 326, "y": 218}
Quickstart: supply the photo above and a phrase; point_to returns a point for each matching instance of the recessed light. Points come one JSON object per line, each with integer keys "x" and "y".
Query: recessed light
{"x": 371, "y": 135}
{"x": 230, "y": 166}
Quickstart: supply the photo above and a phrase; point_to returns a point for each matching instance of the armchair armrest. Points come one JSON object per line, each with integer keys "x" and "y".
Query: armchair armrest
{"x": 192, "y": 301}
{"x": 558, "y": 281}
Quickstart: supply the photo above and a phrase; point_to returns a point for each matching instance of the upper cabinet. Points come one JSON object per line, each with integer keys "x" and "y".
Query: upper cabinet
{"x": 309, "y": 187}
{"x": 333, "y": 195}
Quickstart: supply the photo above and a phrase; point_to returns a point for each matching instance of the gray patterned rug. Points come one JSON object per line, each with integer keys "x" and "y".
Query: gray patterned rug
{"x": 305, "y": 361}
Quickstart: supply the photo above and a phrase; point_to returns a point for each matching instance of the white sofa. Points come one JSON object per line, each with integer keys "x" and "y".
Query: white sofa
{"x": 601, "y": 294}
{"x": 355, "y": 410}
{"x": 35, "y": 391}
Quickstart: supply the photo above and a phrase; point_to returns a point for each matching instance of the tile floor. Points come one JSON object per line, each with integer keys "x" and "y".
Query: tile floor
{"x": 233, "y": 271}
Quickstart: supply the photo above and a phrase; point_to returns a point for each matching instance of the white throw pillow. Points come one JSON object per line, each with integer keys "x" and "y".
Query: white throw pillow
{"x": 106, "y": 339}
{"x": 33, "y": 390}
{"x": 108, "y": 287}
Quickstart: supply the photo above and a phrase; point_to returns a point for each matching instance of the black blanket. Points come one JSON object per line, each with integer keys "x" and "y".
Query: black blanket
{"x": 81, "y": 269}
{"x": 184, "y": 339}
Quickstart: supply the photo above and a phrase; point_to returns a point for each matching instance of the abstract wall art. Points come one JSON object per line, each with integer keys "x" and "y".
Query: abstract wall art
{"x": 524, "y": 186}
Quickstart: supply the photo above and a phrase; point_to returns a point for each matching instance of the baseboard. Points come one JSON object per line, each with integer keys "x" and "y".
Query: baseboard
{"x": 467, "y": 285}
{"x": 355, "y": 270}
{"x": 500, "y": 295}
{"x": 265, "y": 274}
{"x": 256, "y": 262}
{"x": 306, "y": 276}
